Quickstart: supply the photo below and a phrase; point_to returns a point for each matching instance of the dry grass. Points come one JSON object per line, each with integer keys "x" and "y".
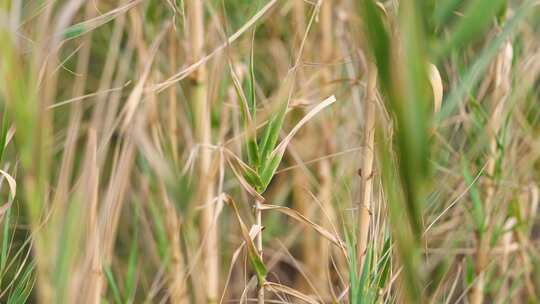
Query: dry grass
{"x": 327, "y": 151}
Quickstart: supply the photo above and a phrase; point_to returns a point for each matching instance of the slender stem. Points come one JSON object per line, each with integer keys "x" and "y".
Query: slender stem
{"x": 259, "y": 243}
{"x": 326, "y": 214}
{"x": 202, "y": 125}
{"x": 172, "y": 123}
{"x": 366, "y": 174}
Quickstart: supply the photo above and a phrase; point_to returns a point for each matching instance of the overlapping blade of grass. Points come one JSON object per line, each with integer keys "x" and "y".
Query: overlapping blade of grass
{"x": 412, "y": 113}
{"x": 264, "y": 153}
{"x": 19, "y": 76}
{"x": 361, "y": 291}
{"x": 271, "y": 162}
{"x": 252, "y": 148}
{"x": 270, "y": 135}
{"x": 247, "y": 105}
{"x": 16, "y": 263}
{"x": 407, "y": 244}
{"x": 253, "y": 254}
{"x": 23, "y": 288}
{"x": 404, "y": 83}
{"x": 366, "y": 286}
{"x": 405, "y": 88}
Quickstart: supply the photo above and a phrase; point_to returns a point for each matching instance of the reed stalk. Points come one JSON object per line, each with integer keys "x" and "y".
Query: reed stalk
{"x": 368, "y": 156}
{"x": 202, "y": 136}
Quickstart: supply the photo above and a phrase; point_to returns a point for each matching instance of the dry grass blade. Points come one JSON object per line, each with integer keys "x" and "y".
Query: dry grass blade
{"x": 90, "y": 25}
{"x": 253, "y": 254}
{"x": 275, "y": 287}
{"x": 12, "y": 192}
{"x": 336, "y": 240}
{"x": 187, "y": 71}
{"x": 253, "y": 232}
{"x": 436, "y": 85}
{"x": 280, "y": 149}
{"x": 11, "y": 182}
{"x": 86, "y": 96}
{"x": 237, "y": 165}
{"x": 136, "y": 94}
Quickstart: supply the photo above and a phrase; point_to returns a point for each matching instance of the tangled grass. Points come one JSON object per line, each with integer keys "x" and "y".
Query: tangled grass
{"x": 325, "y": 151}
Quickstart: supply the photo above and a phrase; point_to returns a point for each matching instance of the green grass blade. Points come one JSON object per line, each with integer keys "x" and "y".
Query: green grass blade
{"x": 352, "y": 265}
{"x": 3, "y": 134}
{"x": 252, "y": 147}
{"x": 477, "y": 209}
{"x": 252, "y": 102}
{"x": 268, "y": 171}
{"x": 406, "y": 243}
{"x": 247, "y": 109}
{"x": 5, "y": 241}
{"x": 112, "y": 284}
{"x": 270, "y": 135}
{"x": 254, "y": 180}
{"x": 384, "y": 263}
{"x": 379, "y": 41}
{"x": 253, "y": 255}
{"x": 364, "y": 284}
{"x": 411, "y": 105}
{"x": 275, "y": 124}
{"x": 23, "y": 287}
{"x": 132, "y": 265}
{"x": 74, "y": 31}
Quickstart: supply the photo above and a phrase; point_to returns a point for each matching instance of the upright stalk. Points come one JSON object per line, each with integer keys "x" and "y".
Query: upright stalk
{"x": 366, "y": 173}
{"x": 324, "y": 168}
{"x": 300, "y": 179}
{"x": 201, "y": 116}
{"x": 172, "y": 123}
{"x": 259, "y": 243}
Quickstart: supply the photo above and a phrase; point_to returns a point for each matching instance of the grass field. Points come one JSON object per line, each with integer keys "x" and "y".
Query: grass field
{"x": 269, "y": 151}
